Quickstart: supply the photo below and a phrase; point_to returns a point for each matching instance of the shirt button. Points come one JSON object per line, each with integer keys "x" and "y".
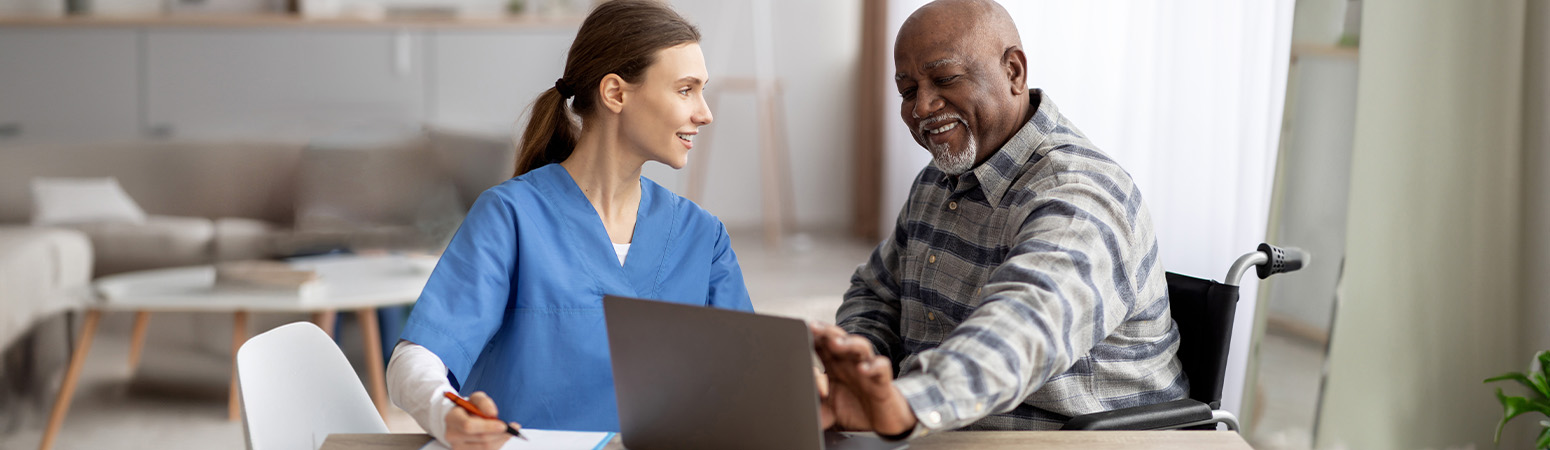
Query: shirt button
{"x": 979, "y": 407}
{"x": 952, "y": 205}
{"x": 933, "y": 418}
{"x": 931, "y": 259}
{"x": 930, "y": 316}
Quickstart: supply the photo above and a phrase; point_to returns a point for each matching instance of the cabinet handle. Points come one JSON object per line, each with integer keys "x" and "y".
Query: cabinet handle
{"x": 159, "y": 131}
{"x": 10, "y": 129}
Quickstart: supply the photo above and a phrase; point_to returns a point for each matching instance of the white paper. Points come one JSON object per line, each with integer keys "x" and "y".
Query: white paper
{"x": 547, "y": 440}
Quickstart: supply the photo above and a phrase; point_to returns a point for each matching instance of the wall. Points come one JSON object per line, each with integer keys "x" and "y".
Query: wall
{"x": 1315, "y": 159}
{"x": 1320, "y": 21}
{"x": 817, "y": 52}
{"x": 1536, "y": 176}
{"x": 1431, "y": 302}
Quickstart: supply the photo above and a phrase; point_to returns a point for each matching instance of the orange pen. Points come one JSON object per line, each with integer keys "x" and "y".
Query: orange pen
{"x": 475, "y": 411}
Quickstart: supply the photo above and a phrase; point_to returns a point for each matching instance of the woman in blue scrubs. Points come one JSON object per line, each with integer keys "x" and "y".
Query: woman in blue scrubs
{"x": 514, "y": 308}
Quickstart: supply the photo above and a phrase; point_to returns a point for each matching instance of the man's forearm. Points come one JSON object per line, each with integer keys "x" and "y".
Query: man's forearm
{"x": 874, "y": 320}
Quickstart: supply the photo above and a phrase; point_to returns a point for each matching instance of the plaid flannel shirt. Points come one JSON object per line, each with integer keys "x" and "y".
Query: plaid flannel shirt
{"x": 1023, "y": 292}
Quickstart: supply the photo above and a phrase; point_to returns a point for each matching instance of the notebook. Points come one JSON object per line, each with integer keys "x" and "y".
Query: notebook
{"x": 548, "y": 440}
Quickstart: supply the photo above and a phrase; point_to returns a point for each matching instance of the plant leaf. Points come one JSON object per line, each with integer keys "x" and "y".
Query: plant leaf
{"x": 1544, "y": 361}
{"x": 1544, "y": 438}
{"x": 1541, "y": 386}
{"x": 1544, "y": 364}
{"x": 1537, "y": 388}
{"x": 1540, "y": 405}
{"x": 1511, "y": 407}
{"x": 1508, "y": 376}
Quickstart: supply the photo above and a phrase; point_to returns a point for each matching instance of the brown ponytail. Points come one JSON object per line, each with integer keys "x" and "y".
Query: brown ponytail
{"x": 550, "y": 134}
{"x": 619, "y": 37}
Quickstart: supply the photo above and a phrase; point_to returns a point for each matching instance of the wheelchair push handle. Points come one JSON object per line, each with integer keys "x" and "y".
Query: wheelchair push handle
{"x": 1282, "y": 260}
{"x": 1267, "y": 260}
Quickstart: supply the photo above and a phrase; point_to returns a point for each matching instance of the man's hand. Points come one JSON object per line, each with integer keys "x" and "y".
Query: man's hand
{"x": 469, "y": 432}
{"x": 860, "y": 392}
{"x": 839, "y": 409}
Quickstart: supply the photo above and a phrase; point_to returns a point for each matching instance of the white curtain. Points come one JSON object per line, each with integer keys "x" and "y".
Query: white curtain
{"x": 1187, "y": 95}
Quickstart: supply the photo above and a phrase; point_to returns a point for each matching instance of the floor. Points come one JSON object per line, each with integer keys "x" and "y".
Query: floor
{"x": 1290, "y": 375}
{"x": 176, "y": 399}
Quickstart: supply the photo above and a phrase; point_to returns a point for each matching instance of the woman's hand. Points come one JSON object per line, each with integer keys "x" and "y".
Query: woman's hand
{"x": 469, "y": 432}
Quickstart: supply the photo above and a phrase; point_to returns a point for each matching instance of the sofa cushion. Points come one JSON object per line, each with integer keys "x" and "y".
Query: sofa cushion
{"x": 238, "y": 238}
{"x": 379, "y": 191}
{"x": 62, "y": 201}
{"x": 475, "y": 162}
{"x": 162, "y": 241}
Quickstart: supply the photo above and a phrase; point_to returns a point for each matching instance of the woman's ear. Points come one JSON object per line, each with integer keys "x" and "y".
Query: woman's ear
{"x": 611, "y": 92}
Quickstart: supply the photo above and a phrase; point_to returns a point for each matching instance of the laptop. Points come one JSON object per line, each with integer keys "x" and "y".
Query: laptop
{"x": 691, "y": 378}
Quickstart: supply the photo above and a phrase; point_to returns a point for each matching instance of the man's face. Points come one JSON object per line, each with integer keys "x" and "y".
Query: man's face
{"x": 954, "y": 98}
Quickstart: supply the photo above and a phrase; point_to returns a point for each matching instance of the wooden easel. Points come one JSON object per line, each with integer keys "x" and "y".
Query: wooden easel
{"x": 775, "y": 176}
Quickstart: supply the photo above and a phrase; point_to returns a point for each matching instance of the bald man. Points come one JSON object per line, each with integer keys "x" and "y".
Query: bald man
{"x": 1020, "y": 286}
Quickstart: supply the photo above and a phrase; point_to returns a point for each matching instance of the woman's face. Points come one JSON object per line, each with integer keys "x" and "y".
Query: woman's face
{"x": 665, "y": 110}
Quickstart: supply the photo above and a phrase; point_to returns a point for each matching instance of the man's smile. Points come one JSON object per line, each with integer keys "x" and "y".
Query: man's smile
{"x": 942, "y": 134}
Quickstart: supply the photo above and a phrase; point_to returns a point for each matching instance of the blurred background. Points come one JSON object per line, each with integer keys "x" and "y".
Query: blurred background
{"x": 1402, "y": 143}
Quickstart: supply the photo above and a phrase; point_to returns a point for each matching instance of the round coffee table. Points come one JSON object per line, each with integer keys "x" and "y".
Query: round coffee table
{"x": 345, "y": 282}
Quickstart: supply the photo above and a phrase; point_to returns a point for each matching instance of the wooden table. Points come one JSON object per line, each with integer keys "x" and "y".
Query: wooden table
{"x": 978, "y": 440}
{"x": 350, "y": 283}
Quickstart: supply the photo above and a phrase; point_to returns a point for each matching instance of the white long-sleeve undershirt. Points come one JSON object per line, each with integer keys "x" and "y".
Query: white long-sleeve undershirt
{"x": 417, "y": 378}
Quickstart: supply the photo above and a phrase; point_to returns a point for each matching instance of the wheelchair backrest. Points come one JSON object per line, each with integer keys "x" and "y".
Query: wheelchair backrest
{"x": 1204, "y": 310}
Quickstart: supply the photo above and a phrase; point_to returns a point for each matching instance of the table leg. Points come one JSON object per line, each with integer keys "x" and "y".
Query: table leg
{"x": 72, "y": 375}
{"x": 137, "y": 339}
{"x": 239, "y": 334}
{"x": 325, "y": 320}
{"x": 370, "y": 336}
{"x": 70, "y": 331}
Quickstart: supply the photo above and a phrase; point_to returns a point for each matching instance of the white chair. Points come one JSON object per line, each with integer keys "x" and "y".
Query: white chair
{"x": 297, "y": 388}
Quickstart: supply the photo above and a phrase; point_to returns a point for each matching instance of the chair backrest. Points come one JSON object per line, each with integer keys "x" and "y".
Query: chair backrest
{"x": 1204, "y": 311}
{"x": 297, "y": 388}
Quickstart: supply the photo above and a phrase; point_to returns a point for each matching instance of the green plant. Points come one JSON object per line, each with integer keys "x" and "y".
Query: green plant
{"x": 1538, "y": 399}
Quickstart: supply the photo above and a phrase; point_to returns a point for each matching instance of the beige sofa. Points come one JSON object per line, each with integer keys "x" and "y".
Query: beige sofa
{"x": 214, "y": 201}
{"x": 43, "y": 272}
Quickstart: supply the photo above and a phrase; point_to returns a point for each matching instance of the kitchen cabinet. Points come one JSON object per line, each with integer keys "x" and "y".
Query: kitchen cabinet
{"x": 285, "y": 83}
{"x": 486, "y": 79}
{"x": 62, "y": 84}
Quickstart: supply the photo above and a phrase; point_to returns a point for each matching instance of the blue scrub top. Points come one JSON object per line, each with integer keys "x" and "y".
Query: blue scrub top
{"x": 515, "y": 306}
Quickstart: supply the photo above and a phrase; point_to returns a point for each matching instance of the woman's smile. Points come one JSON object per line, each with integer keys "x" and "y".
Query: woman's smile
{"x": 687, "y": 139}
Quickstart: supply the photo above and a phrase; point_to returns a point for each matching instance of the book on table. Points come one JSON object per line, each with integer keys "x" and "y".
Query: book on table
{"x": 266, "y": 277}
{"x": 547, "y": 440}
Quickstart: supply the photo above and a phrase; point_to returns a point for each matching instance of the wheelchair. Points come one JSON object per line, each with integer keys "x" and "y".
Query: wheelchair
{"x": 1203, "y": 310}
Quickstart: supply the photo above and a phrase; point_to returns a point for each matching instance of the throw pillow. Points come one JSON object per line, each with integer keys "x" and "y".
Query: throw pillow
{"x": 67, "y": 201}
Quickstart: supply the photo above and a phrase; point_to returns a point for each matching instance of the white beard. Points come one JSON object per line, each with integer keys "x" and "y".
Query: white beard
{"x": 951, "y": 162}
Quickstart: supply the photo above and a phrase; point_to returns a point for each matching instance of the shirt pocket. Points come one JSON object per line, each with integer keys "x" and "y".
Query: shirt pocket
{"x": 943, "y": 325}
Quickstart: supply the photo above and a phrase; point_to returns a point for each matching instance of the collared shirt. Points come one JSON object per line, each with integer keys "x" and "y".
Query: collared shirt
{"x": 1023, "y": 292}
{"x": 514, "y": 307}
